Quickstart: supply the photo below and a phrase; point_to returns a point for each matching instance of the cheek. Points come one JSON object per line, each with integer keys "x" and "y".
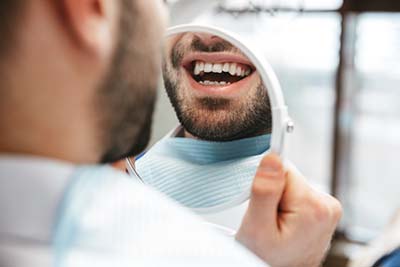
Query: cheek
{"x": 152, "y": 16}
{"x": 185, "y": 92}
{"x": 254, "y": 85}
{"x": 157, "y": 15}
{"x": 164, "y": 14}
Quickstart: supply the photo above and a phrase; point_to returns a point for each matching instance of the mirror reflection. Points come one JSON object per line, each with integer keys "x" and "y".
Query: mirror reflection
{"x": 225, "y": 120}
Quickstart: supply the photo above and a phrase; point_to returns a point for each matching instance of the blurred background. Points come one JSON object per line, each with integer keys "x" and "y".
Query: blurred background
{"x": 339, "y": 66}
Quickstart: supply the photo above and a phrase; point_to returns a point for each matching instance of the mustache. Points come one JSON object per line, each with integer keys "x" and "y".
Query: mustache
{"x": 221, "y": 46}
{"x": 197, "y": 45}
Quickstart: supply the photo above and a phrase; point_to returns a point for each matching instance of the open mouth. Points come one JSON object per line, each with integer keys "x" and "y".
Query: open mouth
{"x": 218, "y": 74}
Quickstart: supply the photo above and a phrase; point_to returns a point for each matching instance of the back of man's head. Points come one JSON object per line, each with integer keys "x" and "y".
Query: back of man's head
{"x": 78, "y": 77}
{"x": 9, "y": 11}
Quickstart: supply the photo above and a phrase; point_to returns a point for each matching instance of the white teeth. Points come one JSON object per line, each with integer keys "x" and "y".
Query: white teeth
{"x": 238, "y": 71}
{"x": 232, "y": 69}
{"x": 197, "y": 69}
{"x": 202, "y": 65}
{"x": 207, "y": 82}
{"x": 225, "y": 68}
{"x": 217, "y": 68}
{"x": 208, "y": 67}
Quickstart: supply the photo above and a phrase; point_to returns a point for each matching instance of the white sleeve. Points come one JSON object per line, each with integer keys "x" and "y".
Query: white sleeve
{"x": 119, "y": 222}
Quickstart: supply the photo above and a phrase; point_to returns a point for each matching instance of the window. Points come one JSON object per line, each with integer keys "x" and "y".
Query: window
{"x": 371, "y": 180}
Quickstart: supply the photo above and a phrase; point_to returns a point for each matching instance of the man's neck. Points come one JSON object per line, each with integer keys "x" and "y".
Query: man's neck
{"x": 47, "y": 149}
{"x": 23, "y": 134}
{"x": 186, "y": 134}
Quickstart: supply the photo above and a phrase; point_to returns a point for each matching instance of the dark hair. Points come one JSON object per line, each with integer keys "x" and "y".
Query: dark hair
{"x": 10, "y": 12}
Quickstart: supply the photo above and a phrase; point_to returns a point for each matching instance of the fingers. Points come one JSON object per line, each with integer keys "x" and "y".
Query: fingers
{"x": 288, "y": 223}
{"x": 267, "y": 190}
{"x": 331, "y": 207}
{"x": 314, "y": 207}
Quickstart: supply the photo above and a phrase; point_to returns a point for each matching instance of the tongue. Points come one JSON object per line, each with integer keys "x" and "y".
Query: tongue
{"x": 217, "y": 77}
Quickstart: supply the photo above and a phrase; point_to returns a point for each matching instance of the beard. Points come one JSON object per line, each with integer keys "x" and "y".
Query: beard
{"x": 216, "y": 118}
{"x": 126, "y": 98}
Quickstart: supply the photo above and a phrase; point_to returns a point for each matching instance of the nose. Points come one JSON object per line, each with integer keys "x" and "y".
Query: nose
{"x": 208, "y": 39}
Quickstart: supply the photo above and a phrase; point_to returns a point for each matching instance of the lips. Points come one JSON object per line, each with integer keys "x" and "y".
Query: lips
{"x": 218, "y": 73}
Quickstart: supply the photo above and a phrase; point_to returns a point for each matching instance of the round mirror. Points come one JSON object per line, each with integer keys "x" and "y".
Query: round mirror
{"x": 231, "y": 112}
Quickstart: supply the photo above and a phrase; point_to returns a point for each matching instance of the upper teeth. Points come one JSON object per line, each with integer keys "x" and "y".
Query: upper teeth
{"x": 232, "y": 68}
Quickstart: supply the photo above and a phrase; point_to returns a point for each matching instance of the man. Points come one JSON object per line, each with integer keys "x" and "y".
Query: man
{"x": 76, "y": 90}
{"x": 226, "y": 119}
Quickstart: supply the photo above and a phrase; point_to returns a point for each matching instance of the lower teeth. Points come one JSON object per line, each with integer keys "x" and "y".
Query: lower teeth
{"x": 214, "y": 83}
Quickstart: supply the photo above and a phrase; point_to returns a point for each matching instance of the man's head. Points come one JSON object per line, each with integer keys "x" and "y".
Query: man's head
{"x": 216, "y": 91}
{"x": 78, "y": 77}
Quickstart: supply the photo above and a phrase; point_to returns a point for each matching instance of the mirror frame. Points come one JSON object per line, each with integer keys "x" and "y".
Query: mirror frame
{"x": 281, "y": 122}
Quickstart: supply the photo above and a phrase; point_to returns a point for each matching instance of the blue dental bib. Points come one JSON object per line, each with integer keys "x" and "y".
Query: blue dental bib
{"x": 202, "y": 174}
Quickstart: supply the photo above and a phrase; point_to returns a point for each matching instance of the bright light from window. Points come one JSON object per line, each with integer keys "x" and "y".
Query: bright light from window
{"x": 296, "y": 4}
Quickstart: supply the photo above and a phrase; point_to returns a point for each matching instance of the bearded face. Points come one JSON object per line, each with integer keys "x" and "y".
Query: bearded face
{"x": 215, "y": 90}
{"x": 125, "y": 100}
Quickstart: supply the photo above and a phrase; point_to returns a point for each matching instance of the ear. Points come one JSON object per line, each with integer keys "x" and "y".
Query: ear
{"x": 92, "y": 23}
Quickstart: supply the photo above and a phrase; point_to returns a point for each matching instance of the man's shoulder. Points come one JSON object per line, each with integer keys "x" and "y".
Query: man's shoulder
{"x": 109, "y": 211}
{"x": 104, "y": 194}
{"x": 109, "y": 187}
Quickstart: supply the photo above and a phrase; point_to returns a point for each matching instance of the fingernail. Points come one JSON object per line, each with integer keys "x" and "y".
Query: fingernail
{"x": 270, "y": 166}
{"x": 271, "y": 170}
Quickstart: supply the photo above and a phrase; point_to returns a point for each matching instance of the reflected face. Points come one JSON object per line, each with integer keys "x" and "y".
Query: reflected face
{"x": 216, "y": 91}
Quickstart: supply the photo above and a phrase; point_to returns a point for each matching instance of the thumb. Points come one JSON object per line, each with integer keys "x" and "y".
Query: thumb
{"x": 267, "y": 190}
